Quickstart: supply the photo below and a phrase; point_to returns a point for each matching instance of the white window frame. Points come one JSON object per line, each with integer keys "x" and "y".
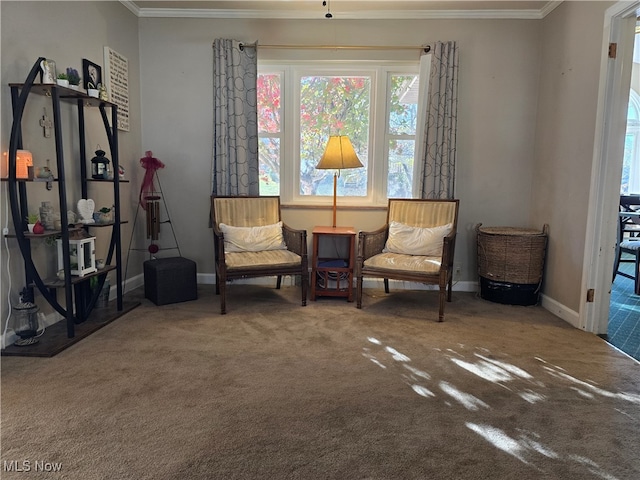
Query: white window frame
{"x": 418, "y": 167}
{"x": 378, "y": 160}
{"x": 283, "y": 118}
{"x": 633, "y": 128}
{"x": 419, "y": 135}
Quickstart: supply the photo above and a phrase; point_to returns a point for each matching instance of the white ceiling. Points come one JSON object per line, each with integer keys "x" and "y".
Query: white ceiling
{"x": 343, "y": 9}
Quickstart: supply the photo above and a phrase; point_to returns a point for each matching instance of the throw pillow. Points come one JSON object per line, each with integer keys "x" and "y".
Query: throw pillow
{"x": 416, "y": 240}
{"x": 253, "y": 239}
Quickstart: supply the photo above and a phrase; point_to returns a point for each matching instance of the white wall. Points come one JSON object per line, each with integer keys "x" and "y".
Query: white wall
{"x": 571, "y": 43}
{"x": 526, "y": 111}
{"x": 499, "y": 65}
{"x": 66, "y": 32}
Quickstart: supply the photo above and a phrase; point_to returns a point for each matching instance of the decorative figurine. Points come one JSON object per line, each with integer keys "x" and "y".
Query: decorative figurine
{"x": 103, "y": 92}
{"x": 86, "y": 208}
{"x": 48, "y": 71}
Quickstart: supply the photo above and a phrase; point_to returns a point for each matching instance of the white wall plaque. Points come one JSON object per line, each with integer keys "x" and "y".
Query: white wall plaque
{"x": 117, "y": 82}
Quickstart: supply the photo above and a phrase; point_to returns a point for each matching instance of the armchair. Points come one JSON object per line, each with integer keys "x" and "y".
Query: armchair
{"x": 250, "y": 240}
{"x": 417, "y": 244}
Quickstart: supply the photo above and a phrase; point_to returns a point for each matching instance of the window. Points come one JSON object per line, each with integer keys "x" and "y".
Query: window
{"x": 300, "y": 106}
{"x": 631, "y": 162}
{"x": 401, "y": 134}
{"x": 269, "y": 131}
{"x": 333, "y": 105}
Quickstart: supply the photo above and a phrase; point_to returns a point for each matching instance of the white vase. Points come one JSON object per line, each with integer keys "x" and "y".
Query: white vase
{"x": 63, "y": 83}
{"x": 30, "y": 227}
{"x": 93, "y": 92}
{"x": 74, "y": 87}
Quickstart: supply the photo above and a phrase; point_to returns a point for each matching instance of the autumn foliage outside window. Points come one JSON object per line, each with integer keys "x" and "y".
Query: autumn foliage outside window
{"x": 338, "y": 105}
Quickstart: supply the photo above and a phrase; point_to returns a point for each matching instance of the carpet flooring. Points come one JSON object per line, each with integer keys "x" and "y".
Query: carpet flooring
{"x": 623, "y": 330}
{"x": 275, "y": 390}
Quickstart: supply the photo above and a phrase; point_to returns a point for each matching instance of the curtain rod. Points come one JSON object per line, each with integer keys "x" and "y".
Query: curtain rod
{"x": 426, "y": 48}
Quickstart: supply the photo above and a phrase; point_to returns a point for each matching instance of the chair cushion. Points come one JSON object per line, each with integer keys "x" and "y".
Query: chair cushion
{"x": 630, "y": 245}
{"x": 253, "y": 239}
{"x": 410, "y": 240}
{"x": 267, "y": 258}
{"x": 404, "y": 263}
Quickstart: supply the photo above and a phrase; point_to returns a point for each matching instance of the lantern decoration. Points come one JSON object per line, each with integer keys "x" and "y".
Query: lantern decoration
{"x": 82, "y": 255}
{"x": 100, "y": 165}
{"x": 25, "y": 323}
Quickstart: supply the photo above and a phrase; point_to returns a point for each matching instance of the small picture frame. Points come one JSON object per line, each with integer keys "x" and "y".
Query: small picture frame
{"x": 92, "y": 74}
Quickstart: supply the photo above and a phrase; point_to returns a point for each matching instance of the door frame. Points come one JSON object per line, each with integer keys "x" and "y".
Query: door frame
{"x": 606, "y": 172}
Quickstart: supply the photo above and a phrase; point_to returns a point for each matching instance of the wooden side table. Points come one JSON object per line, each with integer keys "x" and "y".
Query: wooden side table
{"x": 332, "y": 262}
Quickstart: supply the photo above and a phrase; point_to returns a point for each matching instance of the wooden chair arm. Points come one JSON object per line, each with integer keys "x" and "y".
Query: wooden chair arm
{"x": 296, "y": 240}
{"x": 371, "y": 243}
{"x": 218, "y": 245}
{"x": 448, "y": 249}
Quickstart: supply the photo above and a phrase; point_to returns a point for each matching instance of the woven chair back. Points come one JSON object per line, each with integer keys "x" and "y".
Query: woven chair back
{"x": 246, "y": 211}
{"x": 423, "y": 213}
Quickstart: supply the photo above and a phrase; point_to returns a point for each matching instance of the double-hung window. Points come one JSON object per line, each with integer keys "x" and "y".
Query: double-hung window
{"x": 300, "y": 106}
{"x": 631, "y": 162}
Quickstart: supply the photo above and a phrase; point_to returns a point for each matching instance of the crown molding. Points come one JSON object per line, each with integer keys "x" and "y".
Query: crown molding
{"x": 530, "y": 14}
{"x": 131, "y": 6}
{"x": 361, "y": 15}
{"x": 550, "y": 7}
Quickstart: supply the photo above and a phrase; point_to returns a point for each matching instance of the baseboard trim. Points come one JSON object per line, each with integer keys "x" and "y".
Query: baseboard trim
{"x": 558, "y": 309}
{"x": 289, "y": 280}
{"x": 570, "y": 316}
{"x": 210, "y": 279}
{"x": 403, "y": 285}
{"x": 45, "y": 321}
{"x": 131, "y": 284}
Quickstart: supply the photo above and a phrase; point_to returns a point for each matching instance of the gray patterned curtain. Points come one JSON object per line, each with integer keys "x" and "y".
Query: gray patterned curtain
{"x": 235, "y": 126}
{"x": 438, "y": 168}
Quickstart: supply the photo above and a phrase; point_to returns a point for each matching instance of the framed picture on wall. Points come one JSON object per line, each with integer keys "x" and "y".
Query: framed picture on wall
{"x": 116, "y": 77}
{"x": 91, "y": 73}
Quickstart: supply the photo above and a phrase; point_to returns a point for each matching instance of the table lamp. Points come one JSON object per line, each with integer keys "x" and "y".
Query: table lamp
{"x": 338, "y": 154}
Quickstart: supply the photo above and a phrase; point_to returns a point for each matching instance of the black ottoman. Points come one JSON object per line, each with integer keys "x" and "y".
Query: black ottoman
{"x": 170, "y": 280}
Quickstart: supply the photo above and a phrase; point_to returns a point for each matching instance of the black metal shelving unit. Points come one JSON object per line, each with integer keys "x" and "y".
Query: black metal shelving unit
{"x": 80, "y": 299}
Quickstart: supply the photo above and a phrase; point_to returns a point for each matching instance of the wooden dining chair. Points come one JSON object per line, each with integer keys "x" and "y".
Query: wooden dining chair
{"x": 628, "y": 242}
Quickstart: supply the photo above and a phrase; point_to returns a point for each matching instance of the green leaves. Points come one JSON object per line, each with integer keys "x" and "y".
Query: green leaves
{"x": 332, "y": 105}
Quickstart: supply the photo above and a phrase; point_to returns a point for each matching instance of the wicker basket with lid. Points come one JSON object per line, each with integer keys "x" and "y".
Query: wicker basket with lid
{"x": 510, "y": 254}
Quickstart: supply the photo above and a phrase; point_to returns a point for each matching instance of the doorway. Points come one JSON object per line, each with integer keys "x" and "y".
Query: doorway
{"x": 623, "y": 330}
{"x": 604, "y": 200}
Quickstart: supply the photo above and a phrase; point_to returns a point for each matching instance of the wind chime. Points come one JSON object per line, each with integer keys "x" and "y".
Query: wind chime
{"x": 153, "y": 221}
{"x": 149, "y": 201}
